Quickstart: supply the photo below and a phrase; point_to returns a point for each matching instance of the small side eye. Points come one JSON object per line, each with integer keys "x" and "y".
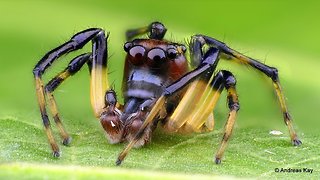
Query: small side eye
{"x": 137, "y": 53}
{"x": 127, "y": 46}
{"x": 183, "y": 48}
{"x": 156, "y": 57}
{"x": 172, "y": 53}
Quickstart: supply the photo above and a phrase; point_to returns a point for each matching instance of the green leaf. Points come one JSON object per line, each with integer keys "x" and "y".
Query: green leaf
{"x": 251, "y": 153}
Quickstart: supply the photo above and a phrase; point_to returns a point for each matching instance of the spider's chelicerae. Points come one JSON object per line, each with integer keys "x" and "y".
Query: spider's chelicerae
{"x": 158, "y": 86}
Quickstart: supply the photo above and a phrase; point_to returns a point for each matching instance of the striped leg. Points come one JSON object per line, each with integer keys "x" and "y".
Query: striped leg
{"x": 229, "y": 82}
{"x": 73, "y": 67}
{"x": 98, "y": 77}
{"x": 200, "y": 40}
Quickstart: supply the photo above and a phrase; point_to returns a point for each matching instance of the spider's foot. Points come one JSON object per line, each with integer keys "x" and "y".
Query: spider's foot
{"x": 113, "y": 126}
{"x": 118, "y": 162}
{"x": 217, "y": 160}
{"x": 296, "y": 142}
{"x": 67, "y": 141}
{"x": 56, "y": 154}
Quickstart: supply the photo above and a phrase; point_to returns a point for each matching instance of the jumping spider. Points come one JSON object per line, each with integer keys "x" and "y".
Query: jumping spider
{"x": 158, "y": 86}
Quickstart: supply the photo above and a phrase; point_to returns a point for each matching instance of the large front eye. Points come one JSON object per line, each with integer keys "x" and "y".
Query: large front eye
{"x": 156, "y": 57}
{"x": 137, "y": 53}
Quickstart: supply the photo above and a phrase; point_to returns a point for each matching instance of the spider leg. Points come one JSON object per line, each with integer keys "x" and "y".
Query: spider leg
{"x": 227, "y": 80}
{"x": 98, "y": 77}
{"x": 188, "y": 103}
{"x": 207, "y": 66}
{"x": 195, "y": 95}
{"x": 156, "y": 30}
{"x": 194, "y": 119}
{"x": 200, "y": 40}
{"x": 73, "y": 67}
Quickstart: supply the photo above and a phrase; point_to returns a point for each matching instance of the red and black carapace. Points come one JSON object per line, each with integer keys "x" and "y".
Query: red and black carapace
{"x": 159, "y": 86}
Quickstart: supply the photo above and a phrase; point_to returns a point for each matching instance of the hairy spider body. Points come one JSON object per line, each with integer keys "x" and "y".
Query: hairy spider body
{"x": 158, "y": 86}
{"x": 147, "y": 72}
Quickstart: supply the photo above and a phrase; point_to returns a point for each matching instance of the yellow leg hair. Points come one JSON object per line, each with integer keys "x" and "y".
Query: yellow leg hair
{"x": 99, "y": 86}
{"x": 194, "y": 112}
{"x": 203, "y": 110}
{"x": 187, "y": 105}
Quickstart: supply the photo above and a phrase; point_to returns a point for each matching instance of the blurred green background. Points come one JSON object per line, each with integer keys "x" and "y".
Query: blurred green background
{"x": 281, "y": 34}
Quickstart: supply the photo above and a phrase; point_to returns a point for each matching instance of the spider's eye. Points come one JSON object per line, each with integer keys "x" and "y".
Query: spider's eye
{"x": 127, "y": 46}
{"x": 156, "y": 57}
{"x": 137, "y": 53}
{"x": 183, "y": 48}
{"x": 172, "y": 53}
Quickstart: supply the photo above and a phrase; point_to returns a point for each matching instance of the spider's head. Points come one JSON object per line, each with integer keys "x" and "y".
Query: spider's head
{"x": 154, "y": 53}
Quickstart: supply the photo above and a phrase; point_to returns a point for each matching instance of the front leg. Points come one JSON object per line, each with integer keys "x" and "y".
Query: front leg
{"x": 98, "y": 78}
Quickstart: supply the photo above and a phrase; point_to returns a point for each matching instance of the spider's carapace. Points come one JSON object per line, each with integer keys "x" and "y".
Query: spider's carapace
{"x": 151, "y": 65}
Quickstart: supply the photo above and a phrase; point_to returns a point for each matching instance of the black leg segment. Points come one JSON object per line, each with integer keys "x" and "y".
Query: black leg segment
{"x": 76, "y": 42}
{"x": 74, "y": 66}
{"x": 156, "y": 30}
